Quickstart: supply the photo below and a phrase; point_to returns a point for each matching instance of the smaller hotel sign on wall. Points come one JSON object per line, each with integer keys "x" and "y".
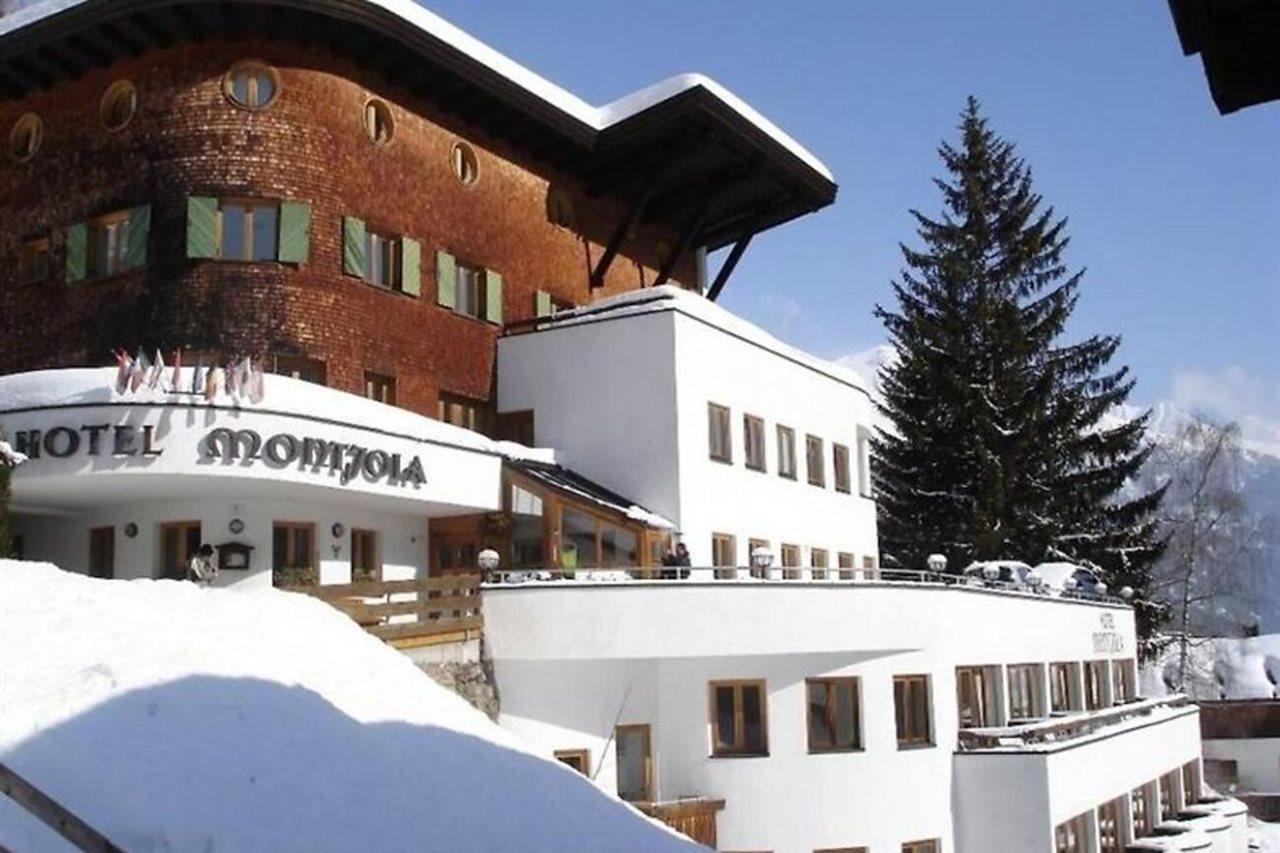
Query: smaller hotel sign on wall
{"x": 1108, "y": 640}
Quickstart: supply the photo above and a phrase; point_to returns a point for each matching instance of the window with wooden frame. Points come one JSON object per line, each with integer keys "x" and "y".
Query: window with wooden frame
{"x": 293, "y": 553}
{"x": 33, "y": 261}
{"x": 753, "y": 442}
{"x": 366, "y": 557}
{"x": 25, "y": 137}
{"x": 846, "y": 563}
{"x": 835, "y": 714}
{"x": 930, "y": 845}
{"x": 470, "y": 290}
{"x": 251, "y": 84}
{"x": 790, "y": 558}
{"x": 814, "y": 460}
{"x": 179, "y": 541}
{"x": 382, "y": 259}
{"x": 1140, "y": 811}
{"x": 840, "y": 459}
{"x": 299, "y": 367}
{"x": 724, "y": 554}
{"x": 578, "y": 759}
{"x": 738, "y": 718}
{"x": 1111, "y": 837}
{"x": 911, "y": 711}
{"x": 1072, "y": 836}
{"x": 102, "y": 552}
{"x": 528, "y": 528}
{"x": 379, "y": 123}
{"x": 468, "y": 413}
{"x": 466, "y": 168}
{"x": 786, "y": 452}
{"x": 1167, "y": 791}
{"x": 118, "y": 105}
{"x": 818, "y": 563}
{"x": 1095, "y": 682}
{"x": 116, "y": 242}
{"x": 752, "y": 545}
{"x": 1122, "y": 678}
{"x": 1062, "y": 688}
{"x": 248, "y": 229}
{"x": 976, "y": 699}
{"x": 864, "y": 463}
{"x": 1024, "y": 691}
{"x": 1191, "y": 782}
{"x": 634, "y": 762}
{"x": 719, "y": 439}
{"x": 380, "y": 387}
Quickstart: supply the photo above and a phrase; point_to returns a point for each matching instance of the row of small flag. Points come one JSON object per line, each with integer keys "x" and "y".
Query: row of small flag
{"x": 243, "y": 378}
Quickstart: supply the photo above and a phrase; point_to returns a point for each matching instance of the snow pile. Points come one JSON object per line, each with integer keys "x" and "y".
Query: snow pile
{"x": 1218, "y": 668}
{"x": 9, "y": 457}
{"x": 171, "y": 717}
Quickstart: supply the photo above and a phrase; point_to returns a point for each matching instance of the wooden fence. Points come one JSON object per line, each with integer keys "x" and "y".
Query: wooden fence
{"x": 407, "y": 613}
{"x": 695, "y": 817}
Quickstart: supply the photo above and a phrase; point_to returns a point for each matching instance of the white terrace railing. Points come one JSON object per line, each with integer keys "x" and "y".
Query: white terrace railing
{"x": 1077, "y": 725}
{"x": 773, "y": 575}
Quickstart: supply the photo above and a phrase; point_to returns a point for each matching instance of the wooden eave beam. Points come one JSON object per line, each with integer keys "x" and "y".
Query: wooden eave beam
{"x": 687, "y": 238}
{"x": 112, "y": 34}
{"x": 26, "y": 71}
{"x": 726, "y": 269}
{"x": 154, "y": 31}
{"x": 90, "y": 51}
{"x": 619, "y": 234}
{"x": 67, "y": 66}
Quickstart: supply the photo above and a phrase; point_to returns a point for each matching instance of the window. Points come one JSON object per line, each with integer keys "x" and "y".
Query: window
{"x": 463, "y": 161}
{"x": 1122, "y": 681}
{"x": 25, "y": 137}
{"x": 379, "y": 126}
{"x": 864, "y": 463}
{"x": 33, "y": 261}
{"x": 577, "y": 540}
{"x": 790, "y": 562}
{"x": 465, "y": 412}
{"x": 845, "y": 561}
{"x": 119, "y": 103}
{"x": 248, "y": 230}
{"x": 634, "y": 763}
{"x": 1062, "y": 689}
{"x": 1072, "y": 836}
{"x": 840, "y": 455}
{"x": 1110, "y": 830}
{"x": 108, "y": 245}
{"x": 382, "y": 260}
{"x": 179, "y": 541}
{"x": 834, "y": 712}
{"x": 1024, "y": 691}
{"x": 818, "y": 562}
{"x": 293, "y": 553}
{"x": 841, "y": 850}
{"x": 720, "y": 442}
{"x": 578, "y": 759}
{"x": 1095, "y": 681}
{"x": 298, "y": 367}
{"x": 975, "y": 696}
{"x": 738, "y": 725}
{"x": 869, "y": 567}
{"x": 379, "y": 387}
{"x": 1140, "y": 811}
{"x": 526, "y": 528}
{"x": 752, "y": 545}
{"x": 1191, "y": 783}
{"x": 813, "y": 456}
{"x": 753, "y": 441}
{"x": 102, "y": 552}
{"x": 251, "y": 85}
{"x": 366, "y": 561}
{"x": 786, "y": 452}
{"x": 931, "y": 845}
{"x": 470, "y": 292}
{"x": 618, "y": 546}
{"x": 1168, "y": 792}
{"x": 724, "y": 553}
{"x": 911, "y": 710}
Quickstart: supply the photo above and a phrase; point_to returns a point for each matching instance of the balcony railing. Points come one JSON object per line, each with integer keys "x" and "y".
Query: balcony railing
{"x": 1058, "y": 729}
{"x": 693, "y": 816}
{"x": 406, "y": 613}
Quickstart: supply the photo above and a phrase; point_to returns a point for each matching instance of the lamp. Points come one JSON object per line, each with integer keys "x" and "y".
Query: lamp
{"x": 1100, "y": 588}
{"x": 1069, "y": 584}
{"x": 1033, "y": 579}
{"x": 937, "y": 563}
{"x": 991, "y": 572}
{"x": 761, "y": 557}
{"x": 488, "y": 560}
{"x": 1126, "y": 592}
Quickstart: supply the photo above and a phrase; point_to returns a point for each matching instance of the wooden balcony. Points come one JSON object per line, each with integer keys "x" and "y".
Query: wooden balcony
{"x": 692, "y": 816}
{"x": 409, "y": 613}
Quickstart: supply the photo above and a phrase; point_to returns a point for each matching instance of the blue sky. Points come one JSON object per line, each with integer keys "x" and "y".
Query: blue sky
{"x": 1174, "y": 209}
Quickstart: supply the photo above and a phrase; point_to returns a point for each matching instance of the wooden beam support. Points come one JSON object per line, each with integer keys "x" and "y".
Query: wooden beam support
{"x": 726, "y": 269}
{"x": 34, "y": 77}
{"x": 687, "y": 238}
{"x": 152, "y": 29}
{"x": 90, "y": 51}
{"x": 68, "y": 66}
{"x": 114, "y": 35}
{"x": 620, "y": 234}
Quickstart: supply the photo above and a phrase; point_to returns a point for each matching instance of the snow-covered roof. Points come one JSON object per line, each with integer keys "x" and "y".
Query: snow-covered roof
{"x": 669, "y": 297}
{"x": 598, "y": 118}
{"x": 559, "y": 477}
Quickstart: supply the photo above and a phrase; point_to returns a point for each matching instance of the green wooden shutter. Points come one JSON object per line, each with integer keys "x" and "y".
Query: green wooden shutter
{"x": 353, "y": 246}
{"x": 295, "y": 232}
{"x": 139, "y": 228}
{"x": 202, "y": 227}
{"x": 493, "y": 297}
{"x": 446, "y": 280}
{"x": 541, "y": 304}
{"x": 410, "y": 266}
{"x": 77, "y": 251}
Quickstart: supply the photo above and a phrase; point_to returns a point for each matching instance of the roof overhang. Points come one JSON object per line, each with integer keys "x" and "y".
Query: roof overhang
{"x": 703, "y": 152}
{"x": 1239, "y": 43}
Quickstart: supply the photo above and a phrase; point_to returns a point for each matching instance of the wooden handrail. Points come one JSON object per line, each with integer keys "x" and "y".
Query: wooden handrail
{"x": 53, "y": 814}
{"x": 444, "y": 608}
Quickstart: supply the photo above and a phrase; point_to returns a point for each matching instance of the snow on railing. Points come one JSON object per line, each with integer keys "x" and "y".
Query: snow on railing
{"x": 1057, "y": 729}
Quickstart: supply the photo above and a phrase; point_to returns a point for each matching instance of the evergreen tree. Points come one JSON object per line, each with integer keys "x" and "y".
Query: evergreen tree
{"x": 1004, "y": 441}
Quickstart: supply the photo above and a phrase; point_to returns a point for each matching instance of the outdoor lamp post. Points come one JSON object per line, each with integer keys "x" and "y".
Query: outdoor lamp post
{"x": 1101, "y": 589}
{"x": 761, "y": 560}
{"x": 1069, "y": 584}
{"x": 937, "y": 563}
{"x": 488, "y": 561}
{"x": 1126, "y": 592}
{"x": 1034, "y": 580}
{"x": 991, "y": 572}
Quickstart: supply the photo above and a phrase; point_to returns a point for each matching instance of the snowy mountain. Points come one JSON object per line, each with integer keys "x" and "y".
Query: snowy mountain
{"x": 1258, "y": 465}
{"x": 171, "y": 717}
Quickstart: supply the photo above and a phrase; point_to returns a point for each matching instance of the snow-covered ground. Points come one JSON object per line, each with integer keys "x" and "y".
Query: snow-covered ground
{"x": 175, "y": 718}
{"x": 1218, "y": 668}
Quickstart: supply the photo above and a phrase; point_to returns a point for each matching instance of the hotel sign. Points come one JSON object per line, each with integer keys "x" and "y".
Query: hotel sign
{"x": 1108, "y": 640}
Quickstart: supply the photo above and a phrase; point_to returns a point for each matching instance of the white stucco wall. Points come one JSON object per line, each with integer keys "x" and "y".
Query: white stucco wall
{"x": 1257, "y": 761}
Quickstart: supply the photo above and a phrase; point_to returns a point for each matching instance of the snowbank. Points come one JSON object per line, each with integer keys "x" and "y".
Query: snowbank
{"x": 1218, "y": 668}
{"x": 176, "y": 718}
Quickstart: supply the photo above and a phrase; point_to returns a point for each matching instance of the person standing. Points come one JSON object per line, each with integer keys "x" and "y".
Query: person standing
{"x": 201, "y": 568}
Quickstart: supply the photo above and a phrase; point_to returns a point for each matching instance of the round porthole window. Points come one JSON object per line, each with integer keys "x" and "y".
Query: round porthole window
{"x": 465, "y": 167}
{"x": 378, "y": 123}
{"x": 251, "y": 84}
{"x": 25, "y": 137}
{"x": 119, "y": 103}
